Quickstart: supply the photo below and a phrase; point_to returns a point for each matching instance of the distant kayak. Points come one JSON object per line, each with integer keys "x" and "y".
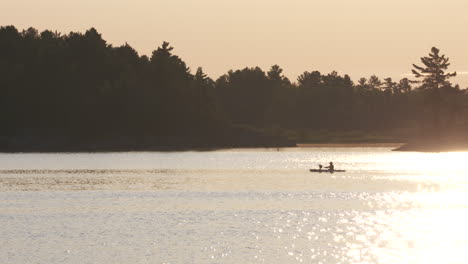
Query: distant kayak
{"x": 316, "y": 170}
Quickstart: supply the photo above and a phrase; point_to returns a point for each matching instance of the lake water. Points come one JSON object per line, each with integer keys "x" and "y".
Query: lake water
{"x": 234, "y": 206}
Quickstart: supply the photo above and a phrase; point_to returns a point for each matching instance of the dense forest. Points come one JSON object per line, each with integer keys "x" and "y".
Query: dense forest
{"x": 76, "y": 92}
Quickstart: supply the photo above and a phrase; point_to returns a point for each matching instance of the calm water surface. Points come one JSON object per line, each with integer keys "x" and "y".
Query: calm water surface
{"x": 237, "y": 206}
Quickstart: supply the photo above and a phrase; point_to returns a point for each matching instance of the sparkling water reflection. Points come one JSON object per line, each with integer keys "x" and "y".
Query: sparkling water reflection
{"x": 234, "y": 206}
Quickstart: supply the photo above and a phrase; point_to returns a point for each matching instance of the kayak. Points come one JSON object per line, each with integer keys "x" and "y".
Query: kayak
{"x": 315, "y": 170}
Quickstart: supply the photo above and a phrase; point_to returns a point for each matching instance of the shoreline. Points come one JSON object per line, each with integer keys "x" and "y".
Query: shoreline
{"x": 197, "y": 149}
{"x": 403, "y": 147}
{"x": 350, "y": 145}
{"x": 433, "y": 147}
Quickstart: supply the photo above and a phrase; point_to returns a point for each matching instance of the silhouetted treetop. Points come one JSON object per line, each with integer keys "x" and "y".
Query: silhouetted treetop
{"x": 276, "y": 74}
{"x": 374, "y": 82}
{"x": 433, "y": 73}
{"x": 309, "y": 79}
{"x": 404, "y": 85}
{"x": 163, "y": 60}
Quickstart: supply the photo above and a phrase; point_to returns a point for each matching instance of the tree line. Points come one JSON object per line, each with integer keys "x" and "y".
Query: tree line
{"x": 77, "y": 89}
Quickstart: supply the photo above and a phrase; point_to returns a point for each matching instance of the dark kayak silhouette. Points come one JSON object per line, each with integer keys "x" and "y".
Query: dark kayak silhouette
{"x": 317, "y": 170}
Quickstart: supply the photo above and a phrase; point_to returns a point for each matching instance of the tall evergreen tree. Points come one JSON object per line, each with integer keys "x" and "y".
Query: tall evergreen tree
{"x": 435, "y": 83}
{"x": 433, "y": 73}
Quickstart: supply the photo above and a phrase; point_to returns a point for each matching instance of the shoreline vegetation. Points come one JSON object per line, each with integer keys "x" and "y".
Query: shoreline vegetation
{"x": 77, "y": 93}
{"x": 351, "y": 145}
{"x": 105, "y": 149}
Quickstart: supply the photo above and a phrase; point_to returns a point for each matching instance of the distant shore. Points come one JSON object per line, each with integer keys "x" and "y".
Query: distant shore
{"x": 256, "y": 142}
{"x": 434, "y": 146}
{"x": 351, "y": 145}
{"x": 97, "y": 149}
{"x": 88, "y": 149}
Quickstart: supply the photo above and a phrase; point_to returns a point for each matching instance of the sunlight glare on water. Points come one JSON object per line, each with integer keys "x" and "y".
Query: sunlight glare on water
{"x": 251, "y": 206}
{"x": 433, "y": 163}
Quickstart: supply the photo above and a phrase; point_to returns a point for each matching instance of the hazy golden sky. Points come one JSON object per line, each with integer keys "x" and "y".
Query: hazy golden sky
{"x": 357, "y": 37}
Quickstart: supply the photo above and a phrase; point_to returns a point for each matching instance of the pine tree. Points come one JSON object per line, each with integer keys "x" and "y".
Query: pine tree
{"x": 434, "y": 82}
{"x": 433, "y": 72}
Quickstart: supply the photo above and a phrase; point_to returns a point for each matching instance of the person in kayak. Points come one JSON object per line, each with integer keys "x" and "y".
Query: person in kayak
{"x": 320, "y": 167}
{"x": 330, "y": 167}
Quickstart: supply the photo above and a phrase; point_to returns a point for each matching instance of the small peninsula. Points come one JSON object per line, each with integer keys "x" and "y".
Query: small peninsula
{"x": 436, "y": 145}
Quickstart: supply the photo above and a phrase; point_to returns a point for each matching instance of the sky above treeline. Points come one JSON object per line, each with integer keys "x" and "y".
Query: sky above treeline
{"x": 355, "y": 37}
